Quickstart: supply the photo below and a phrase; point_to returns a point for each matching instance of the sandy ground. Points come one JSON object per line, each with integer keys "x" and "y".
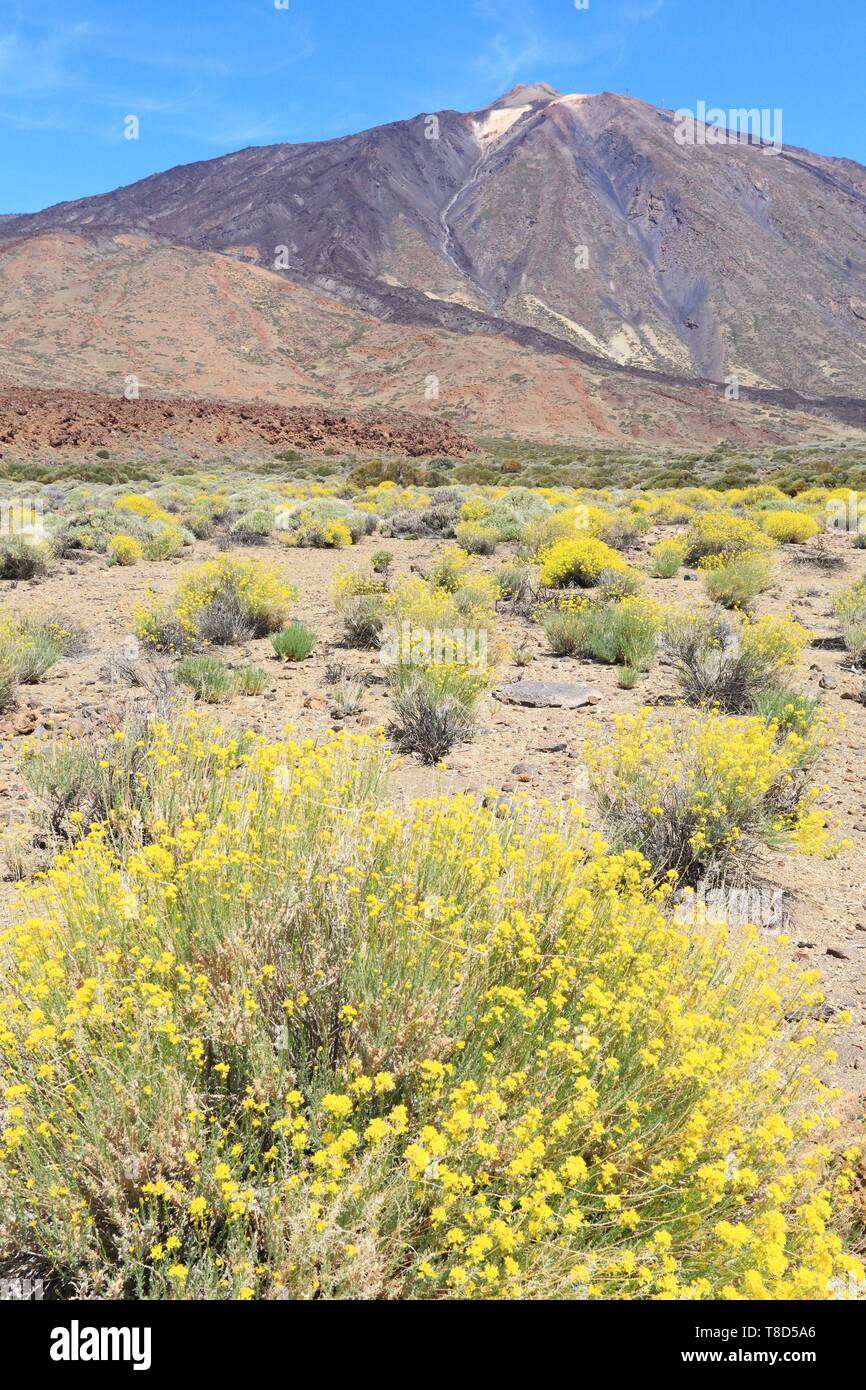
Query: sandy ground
{"x": 824, "y": 900}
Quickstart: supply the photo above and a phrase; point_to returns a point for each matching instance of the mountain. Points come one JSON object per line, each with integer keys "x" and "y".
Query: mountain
{"x": 573, "y": 229}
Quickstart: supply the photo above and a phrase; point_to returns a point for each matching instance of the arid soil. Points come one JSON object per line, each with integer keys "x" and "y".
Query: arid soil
{"x": 824, "y": 900}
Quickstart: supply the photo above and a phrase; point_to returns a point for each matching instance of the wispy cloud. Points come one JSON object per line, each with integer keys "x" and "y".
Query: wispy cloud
{"x": 33, "y": 66}
{"x": 509, "y": 56}
{"x": 638, "y": 14}
{"x": 523, "y": 45}
{"x": 189, "y": 93}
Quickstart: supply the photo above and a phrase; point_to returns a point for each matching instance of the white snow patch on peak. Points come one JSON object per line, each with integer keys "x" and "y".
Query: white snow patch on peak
{"x": 496, "y": 122}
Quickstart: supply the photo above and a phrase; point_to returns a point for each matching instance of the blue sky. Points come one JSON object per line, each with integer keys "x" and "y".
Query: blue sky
{"x": 208, "y": 76}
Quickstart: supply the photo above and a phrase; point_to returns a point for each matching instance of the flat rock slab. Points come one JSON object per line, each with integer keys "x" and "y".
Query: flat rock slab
{"x": 548, "y": 694}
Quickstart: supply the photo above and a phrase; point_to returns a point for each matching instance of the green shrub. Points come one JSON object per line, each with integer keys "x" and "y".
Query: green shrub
{"x": 8, "y": 677}
{"x": 381, "y": 561}
{"x": 729, "y": 662}
{"x": 208, "y": 678}
{"x": 514, "y": 583}
{"x": 476, "y": 539}
{"x": 253, "y": 526}
{"x": 250, "y": 680}
{"x": 19, "y": 559}
{"x": 620, "y": 634}
{"x": 167, "y": 544}
{"x": 667, "y": 557}
{"x": 564, "y": 631}
{"x": 294, "y": 643}
{"x": 736, "y": 582}
{"x": 30, "y": 646}
{"x": 850, "y": 608}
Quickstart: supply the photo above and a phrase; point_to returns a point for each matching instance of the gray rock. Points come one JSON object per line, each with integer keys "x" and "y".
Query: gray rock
{"x": 524, "y": 772}
{"x": 548, "y": 694}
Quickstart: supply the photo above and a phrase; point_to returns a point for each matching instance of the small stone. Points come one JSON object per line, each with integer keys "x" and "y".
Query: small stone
{"x": 836, "y": 953}
{"x": 828, "y": 682}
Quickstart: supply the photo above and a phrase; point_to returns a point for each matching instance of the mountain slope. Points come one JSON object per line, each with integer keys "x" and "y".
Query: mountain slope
{"x": 85, "y": 313}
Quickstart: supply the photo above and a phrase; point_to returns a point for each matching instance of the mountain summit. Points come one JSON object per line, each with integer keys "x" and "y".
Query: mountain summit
{"x": 521, "y": 95}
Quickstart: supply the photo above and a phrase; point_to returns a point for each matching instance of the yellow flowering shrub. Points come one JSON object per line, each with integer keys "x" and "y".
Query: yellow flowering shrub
{"x": 789, "y": 527}
{"x": 696, "y": 793}
{"x": 335, "y": 535}
{"x": 295, "y": 1044}
{"x": 418, "y": 606}
{"x": 256, "y": 589}
{"x": 578, "y": 562}
{"x": 722, "y": 533}
{"x": 475, "y": 509}
{"x": 543, "y": 532}
{"x": 124, "y": 550}
{"x": 777, "y": 644}
{"x": 730, "y": 661}
{"x": 451, "y": 566}
{"x": 143, "y": 507}
{"x": 29, "y": 647}
{"x": 352, "y": 584}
